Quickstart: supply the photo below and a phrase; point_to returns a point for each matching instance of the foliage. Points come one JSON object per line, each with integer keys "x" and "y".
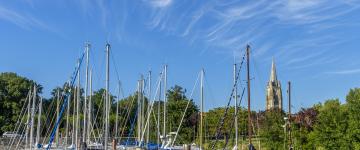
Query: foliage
{"x": 272, "y": 128}
{"x": 328, "y": 125}
{"x": 177, "y": 103}
{"x": 13, "y": 92}
{"x": 353, "y": 105}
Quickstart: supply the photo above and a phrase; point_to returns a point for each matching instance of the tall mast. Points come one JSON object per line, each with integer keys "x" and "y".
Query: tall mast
{"x": 90, "y": 109}
{"x": 142, "y": 105}
{"x": 201, "y": 107}
{"x": 248, "y": 91}
{"x": 165, "y": 99}
{"x": 67, "y": 117}
{"x": 28, "y": 120}
{"x": 107, "y": 101}
{"x": 57, "y": 114}
{"x": 289, "y": 115}
{"x": 149, "y": 97}
{"x": 39, "y": 123}
{"x": 139, "y": 111}
{"x": 159, "y": 107}
{"x": 32, "y": 118}
{"x": 73, "y": 128}
{"x": 77, "y": 109}
{"x": 87, "y": 46}
{"x": 117, "y": 112}
{"x": 236, "y": 108}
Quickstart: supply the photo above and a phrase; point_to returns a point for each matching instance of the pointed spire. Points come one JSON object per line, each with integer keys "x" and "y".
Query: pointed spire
{"x": 273, "y": 76}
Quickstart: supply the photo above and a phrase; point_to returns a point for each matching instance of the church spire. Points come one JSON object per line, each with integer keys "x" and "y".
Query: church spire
{"x": 273, "y": 77}
{"x": 273, "y": 90}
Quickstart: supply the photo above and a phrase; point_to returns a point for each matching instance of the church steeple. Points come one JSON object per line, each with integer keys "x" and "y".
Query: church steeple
{"x": 273, "y": 77}
{"x": 273, "y": 90}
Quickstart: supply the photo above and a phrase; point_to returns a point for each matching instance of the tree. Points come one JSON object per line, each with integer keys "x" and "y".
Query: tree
{"x": 330, "y": 126}
{"x": 302, "y": 125}
{"x": 272, "y": 128}
{"x": 353, "y": 104}
{"x": 13, "y": 92}
{"x": 177, "y": 102}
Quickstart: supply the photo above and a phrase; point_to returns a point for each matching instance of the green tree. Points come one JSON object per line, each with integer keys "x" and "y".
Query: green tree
{"x": 353, "y": 104}
{"x": 272, "y": 129}
{"x": 13, "y": 92}
{"x": 330, "y": 126}
{"x": 177, "y": 102}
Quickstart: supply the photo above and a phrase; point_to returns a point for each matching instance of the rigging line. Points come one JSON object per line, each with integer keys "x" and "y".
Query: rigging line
{"x": 97, "y": 113}
{"x": 132, "y": 126}
{"x": 22, "y": 130}
{"x": 20, "y": 139}
{"x": 257, "y": 71}
{"x": 187, "y": 106}
{"x": 72, "y": 79}
{"x": 222, "y": 120}
{"x": 208, "y": 87}
{"x": 115, "y": 66}
{"x": 128, "y": 113}
{"x": 151, "y": 108}
{"x": 53, "y": 118}
{"x": 98, "y": 76}
{"x": 92, "y": 64}
{"x": 19, "y": 121}
{"x": 233, "y": 120}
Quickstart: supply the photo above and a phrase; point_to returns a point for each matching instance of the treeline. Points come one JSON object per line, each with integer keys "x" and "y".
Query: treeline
{"x": 328, "y": 125}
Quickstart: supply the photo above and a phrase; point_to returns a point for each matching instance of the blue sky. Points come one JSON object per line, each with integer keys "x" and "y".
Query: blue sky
{"x": 315, "y": 43}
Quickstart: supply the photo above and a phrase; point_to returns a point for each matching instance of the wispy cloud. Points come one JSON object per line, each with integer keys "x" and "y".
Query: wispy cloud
{"x": 345, "y": 72}
{"x": 21, "y": 20}
{"x": 295, "y": 28}
{"x": 160, "y": 3}
{"x": 98, "y": 9}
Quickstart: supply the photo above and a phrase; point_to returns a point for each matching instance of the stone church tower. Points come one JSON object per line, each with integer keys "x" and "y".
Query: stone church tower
{"x": 273, "y": 91}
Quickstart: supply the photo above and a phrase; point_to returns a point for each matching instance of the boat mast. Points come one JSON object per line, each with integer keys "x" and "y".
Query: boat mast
{"x": 28, "y": 120}
{"x": 39, "y": 122}
{"x": 138, "y": 110}
{"x": 149, "y": 97}
{"x": 67, "y": 117}
{"x": 77, "y": 109}
{"x": 236, "y": 108}
{"x": 201, "y": 107}
{"x": 158, "y": 115}
{"x": 142, "y": 106}
{"x": 57, "y": 114}
{"x": 73, "y": 128}
{"x": 248, "y": 92}
{"x": 165, "y": 99}
{"x": 107, "y": 100}
{"x": 32, "y": 118}
{"x": 90, "y": 108}
{"x": 117, "y": 112}
{"x": 87, "y": 46}
{"x": 289, "y": 115}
